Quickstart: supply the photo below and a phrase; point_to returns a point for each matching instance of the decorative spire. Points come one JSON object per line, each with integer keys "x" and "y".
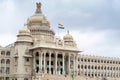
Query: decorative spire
{"x": 68, "y": 31}
{"x": 38, "y": 8}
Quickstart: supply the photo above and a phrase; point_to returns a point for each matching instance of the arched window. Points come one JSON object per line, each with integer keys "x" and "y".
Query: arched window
{"x": 8, "y": 53}
{"x": 2, "y": 53}
{"x": 98, "y": 67}
{"x": 37, "y": 53}
{"x": 104, "y": 68}
{"x": 89, "y": 67}
{"x": 2, "y": 61}
{"x": 92, "y": 67}
{"x": 25, "y": 78}
{"x": 95, "y": 60}
{"x": 85, "y": 66}
{"x": 7, "y": 61}
{"x": 78, "y": 66}
{"x": 47, "y": 54}
{"x": 107, "y": 68}
{"x": 78, "y": 59}
{"x": 98, "y": 61}
{"x": 85, "y": 60}
{"x": 15, "y": 78}
{"x": 95, "y": 67}
{"x": 81, "y": 59}
{"x": 88, "y": 60}
{"x": 81, "y": 66}
{"x": 52, "y": 55}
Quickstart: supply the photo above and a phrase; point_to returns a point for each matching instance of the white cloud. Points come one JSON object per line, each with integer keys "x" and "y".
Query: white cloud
{"x": 7, "y": 15}
{"x": 6, "y": 39}
{"x": 7, "y": 7}
{"x": 96, "y": 43}
{"x": 79, "y": 15}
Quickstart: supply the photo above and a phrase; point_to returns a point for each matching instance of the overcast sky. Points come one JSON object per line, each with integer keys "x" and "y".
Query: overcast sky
{"x": 94, "y": 24}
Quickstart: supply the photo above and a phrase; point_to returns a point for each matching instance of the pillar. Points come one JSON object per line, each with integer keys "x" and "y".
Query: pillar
{"x": 40, "y": 60}
{"x": 74, "y": 63}
{"x": 77, "y": 64}
{"x": 44, "y": 62}
{"x": 56, "y": 63}
{"x": 69, "y": 64}
{"x": 50, "y": 63}
{"x": 63, "y": 64}
{"x": 34, "y": 63}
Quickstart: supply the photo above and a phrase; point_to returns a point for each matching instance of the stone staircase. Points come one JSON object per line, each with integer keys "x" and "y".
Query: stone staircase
{"x": 53, "y": 77}
{"x": 40, "y": 76}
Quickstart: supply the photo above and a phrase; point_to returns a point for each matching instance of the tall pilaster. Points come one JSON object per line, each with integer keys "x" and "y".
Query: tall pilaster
{"x": 69, "y": 64}
{"x": 76, "y": 64}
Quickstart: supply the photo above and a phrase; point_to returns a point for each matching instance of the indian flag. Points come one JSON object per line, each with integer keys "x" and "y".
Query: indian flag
{"x": 60, "y": 26}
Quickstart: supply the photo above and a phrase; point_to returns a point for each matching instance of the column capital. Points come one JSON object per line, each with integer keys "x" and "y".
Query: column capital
{"x": 56, "y": 54}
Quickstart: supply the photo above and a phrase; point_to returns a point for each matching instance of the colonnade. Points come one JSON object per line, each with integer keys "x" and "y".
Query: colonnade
{"x": 54, "y": 62}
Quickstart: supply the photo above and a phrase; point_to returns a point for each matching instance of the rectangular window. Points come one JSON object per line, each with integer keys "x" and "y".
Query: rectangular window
{"x": 7, "y": 70}
{"x": 26, "y": 69}
{"x": 16, "y": 59}
{"x": 2, "y": 69}
{"x": 27, "y": 60}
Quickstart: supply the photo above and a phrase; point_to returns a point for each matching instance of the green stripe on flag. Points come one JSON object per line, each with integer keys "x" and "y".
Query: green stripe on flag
{"x": 61, "y": 27}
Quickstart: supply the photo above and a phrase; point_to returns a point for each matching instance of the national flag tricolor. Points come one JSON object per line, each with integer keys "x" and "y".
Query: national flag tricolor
{"x": 60, "y": 26}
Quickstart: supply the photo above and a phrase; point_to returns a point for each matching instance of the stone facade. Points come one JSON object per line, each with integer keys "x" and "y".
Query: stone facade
{"x": 38, "y": 55}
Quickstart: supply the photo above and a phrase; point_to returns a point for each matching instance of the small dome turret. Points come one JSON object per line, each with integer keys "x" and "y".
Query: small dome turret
{"x": 68, "y": 37}
{"x": 24, "y": 30}
{"x": 69, "y": 41}
{"x": 24, "y": 35}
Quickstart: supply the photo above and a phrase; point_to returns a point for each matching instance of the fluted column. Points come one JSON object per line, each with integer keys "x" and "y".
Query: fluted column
{"x": 63, "y": 63}
{"x": 34, "y": 62}
{"x": 69, "y": 64}
{"x": 56, "y": 63}
{"x": 44, "y": 62}
{"x": 74, "y": 63}
{"x": 50, "y": 63}
{"x": 40, "y": 60}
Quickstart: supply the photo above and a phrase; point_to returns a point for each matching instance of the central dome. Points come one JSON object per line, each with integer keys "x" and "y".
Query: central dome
{"x": 39, "y": 25}
{"x": 38, "y": 17}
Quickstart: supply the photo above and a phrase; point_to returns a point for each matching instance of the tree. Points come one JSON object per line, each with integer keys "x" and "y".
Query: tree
{"x": 0, "y": 78}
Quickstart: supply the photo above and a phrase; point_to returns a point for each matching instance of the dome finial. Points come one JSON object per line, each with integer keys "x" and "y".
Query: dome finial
{"x": 68, "y": 31}
{"x": 38, "y": 8}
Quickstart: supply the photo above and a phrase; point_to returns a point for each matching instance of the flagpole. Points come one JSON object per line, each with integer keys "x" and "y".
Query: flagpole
{"x": 58, "y": 31}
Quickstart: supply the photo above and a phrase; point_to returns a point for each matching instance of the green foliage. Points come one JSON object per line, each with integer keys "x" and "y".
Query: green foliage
{"x": 0, "y": 78}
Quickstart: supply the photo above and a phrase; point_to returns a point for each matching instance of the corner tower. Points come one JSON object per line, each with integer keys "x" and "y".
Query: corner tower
{"x": 39, "y": 25}
{"x": 22, "y": 57}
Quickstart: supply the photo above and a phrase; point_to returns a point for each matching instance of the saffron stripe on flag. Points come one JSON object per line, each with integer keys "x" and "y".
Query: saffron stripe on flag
{"x": 60, "y": 24}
